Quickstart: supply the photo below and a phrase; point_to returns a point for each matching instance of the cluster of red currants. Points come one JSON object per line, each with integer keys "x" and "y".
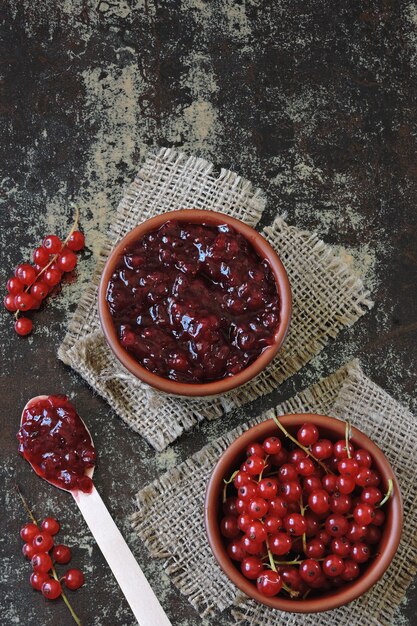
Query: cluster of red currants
{"x": 32, "y": 283}
{"x": 305, "y": 518}
{"x": 39, "y": 543}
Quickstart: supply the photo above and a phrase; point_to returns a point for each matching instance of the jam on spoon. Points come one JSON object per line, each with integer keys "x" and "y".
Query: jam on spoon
{"x": 56, "y": 442}
{"x": 194, "y": 302}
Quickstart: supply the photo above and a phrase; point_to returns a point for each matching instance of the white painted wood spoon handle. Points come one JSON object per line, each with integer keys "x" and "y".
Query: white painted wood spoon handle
{"x": 138, "y": 592}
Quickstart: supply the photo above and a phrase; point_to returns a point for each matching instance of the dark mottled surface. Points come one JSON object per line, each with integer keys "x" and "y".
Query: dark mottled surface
{"x": 313, "y": 101}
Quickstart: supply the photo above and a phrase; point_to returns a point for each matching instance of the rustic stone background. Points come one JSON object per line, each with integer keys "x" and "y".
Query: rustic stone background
{"x": 314, "y": 101}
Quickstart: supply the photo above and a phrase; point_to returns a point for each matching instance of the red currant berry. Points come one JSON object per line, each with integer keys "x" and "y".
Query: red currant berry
{"x": 256, "y": 531}
{"x": 371, "y": 495}
{"x": 311, "y": 483}
{"x": 373, "y": 534}
{"x": 333, "y": 566}
{"x": 363, "y": 458}
{"x": 74, "y": 579}
{"x": 250, "y": 546}
{"x": 363, "y": 477}
{"x": 42, "y": 542}
{"x": 351, "y": 570}
{"x": 255, "y": 449}
{"x": 39, "y": 290}
{"x": 25, "y": 273}
{"x": 52, "y": 276}
{"x": 325, "y": 537}
{"x": 305, "y": 467}
{"x": 374, "y": 479}
{"x": 9, "y": 303}
{"x": 272, "y": 524}
{"x": 287, "y": 472}
{"x": 319, "y": 501}
{"x": 37, "y": 579}
{"x": 241, "y": 506}
{"x": 379, "y": 518}
{"x": 356, "y": 533}
{"x": 360, "y": 552}
{"x": 280, "y": 458}
{"x": 41, "y": 256}
{"x": 308, "y": 434}
{"x": 241, "y": 478}
{"x": 272, "y": 445}
{"x": 363, "y": 514}
{"x": 76, "y": 241}
{"x": 67, "y": 260}
{"x": 229, "y": 527}
{"x": 51, "y": 589}
{"x": 251, "y": 567}
{"x": 337, "y": 525}
{"x": 310, "y": 570}
{"x": 229, "y": 507}
{"x": 322, "y": 449}
{"x": 340, "y": 546}
{"x": 248, "y": 491}
{"x": 269, "y": 583}
{"x": 340, "y": 503}
{"x": 329, "y": 482}
{"x": 267, "y": 488}
{"x": 14, "y": 285}
{"x": 28, "y": 551}
{"x": 290, "y": 491}
{"x": 280, "y": 543}
{"x": 313, "y": 524}
{"x": 24, "y": 301}
{"x": 296, "y": 455}
{"x": 278, "y": 507}
{"x": 291, "y": 577}
{"x": 28, "y": 532}
{"x": 254, "y": 465}
{"x": 345, "y": 484}
{"x": 23, "y": 326}
{"x": 41, "y": 562}
{"x": 348, "y": 467}
{"x": 315, "y": 549}
{"x": 61, "y": 554}
{"x": 244, "y": 521}
{"x": 295, "y": 524}
{"x": 258, "y": 507}
{"x": 340, "y": 451}
{"x": 235, "y": 550}
{"x": 52, "y": 244}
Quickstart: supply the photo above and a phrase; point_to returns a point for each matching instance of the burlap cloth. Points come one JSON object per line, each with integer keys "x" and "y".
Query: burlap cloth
{"x": 170, "y": 510}
{"x": 327, "y": 296}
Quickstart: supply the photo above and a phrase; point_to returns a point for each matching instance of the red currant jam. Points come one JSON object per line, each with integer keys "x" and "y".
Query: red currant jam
{"x": 54, "y": 440}
{"x": 194, "y": 302}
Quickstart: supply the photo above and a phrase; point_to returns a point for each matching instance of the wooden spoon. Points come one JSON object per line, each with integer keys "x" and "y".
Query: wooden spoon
{"x": 137, "y": 591}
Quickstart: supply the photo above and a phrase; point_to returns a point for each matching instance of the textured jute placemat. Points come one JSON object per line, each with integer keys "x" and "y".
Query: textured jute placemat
{"x": 170, "y": 510}
{"x": 327, "y": 296}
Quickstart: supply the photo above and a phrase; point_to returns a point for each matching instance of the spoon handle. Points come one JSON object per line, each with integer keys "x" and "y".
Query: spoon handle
{"x": 132, "y": 581}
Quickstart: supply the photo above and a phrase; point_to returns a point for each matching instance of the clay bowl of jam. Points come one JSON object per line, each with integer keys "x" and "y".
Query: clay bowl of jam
{"x": 194, "y": 303}
{"x": 328, "y": 547}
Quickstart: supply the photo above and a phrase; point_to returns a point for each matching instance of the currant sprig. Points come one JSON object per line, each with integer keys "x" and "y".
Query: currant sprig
{"x": 31, "y": 284}
{"x": 42, "y": 562}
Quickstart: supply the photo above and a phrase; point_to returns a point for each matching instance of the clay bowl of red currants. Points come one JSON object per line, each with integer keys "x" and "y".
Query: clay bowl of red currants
{"x": 194, "y": 303}
{"x": 303, "y": 513}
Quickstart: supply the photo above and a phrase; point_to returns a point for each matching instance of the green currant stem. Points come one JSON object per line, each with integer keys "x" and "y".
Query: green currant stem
{"x": 348, "y": 434}
{"x": 271, "y": 558}
{"x": 227, "y": 482}
{"x": 388, "y": 494}
{"x": 262, "y": 471}
{"x": 306, "y": 593}
{"x": 304, "y": 537}
{"x": 293, "y": 562}
{"x": 293, "y": 594}
{"x": 54, "y": 258}
{"x": 297, "y": 443}
{"x": 32, "y": 517}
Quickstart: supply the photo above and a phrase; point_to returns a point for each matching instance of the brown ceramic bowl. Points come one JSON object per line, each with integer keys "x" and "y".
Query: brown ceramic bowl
{"x": 264, "y": 250}
{"x": 332, "y": 429}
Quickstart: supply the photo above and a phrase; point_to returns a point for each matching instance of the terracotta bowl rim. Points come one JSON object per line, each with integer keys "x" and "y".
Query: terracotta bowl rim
{"x": 391, "y": 534}
{"x": 166, "y": 385}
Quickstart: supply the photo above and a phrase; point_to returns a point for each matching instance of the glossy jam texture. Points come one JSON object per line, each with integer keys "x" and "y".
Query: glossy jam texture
{"x": 194, "y": 302}
{"x": 53, "y": 438}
